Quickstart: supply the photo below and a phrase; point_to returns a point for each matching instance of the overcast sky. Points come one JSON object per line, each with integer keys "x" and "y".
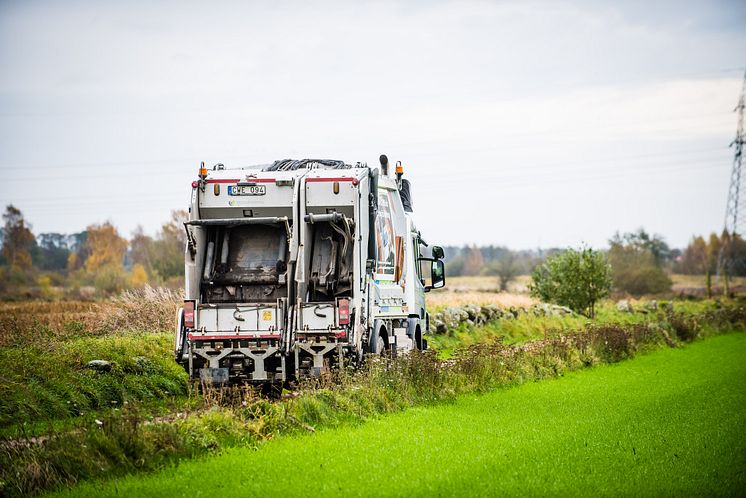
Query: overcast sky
{"x": 519, "y": 123}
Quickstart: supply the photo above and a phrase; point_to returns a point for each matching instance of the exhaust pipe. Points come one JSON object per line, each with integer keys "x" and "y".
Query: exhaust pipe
{"x": 384, "y": 164}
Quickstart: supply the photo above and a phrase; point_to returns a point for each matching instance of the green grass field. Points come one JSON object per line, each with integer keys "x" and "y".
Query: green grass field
{"x": 670, "y": 422}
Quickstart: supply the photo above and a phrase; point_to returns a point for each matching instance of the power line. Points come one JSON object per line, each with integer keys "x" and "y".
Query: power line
{"x": 185, "y": 171}
{"x": 545, "y": 175}
{"x": 188, "y": 162}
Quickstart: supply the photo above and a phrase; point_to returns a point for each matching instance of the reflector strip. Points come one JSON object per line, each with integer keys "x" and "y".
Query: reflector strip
{"x": 227, "y": 337}
{"x": 237, "y": 180}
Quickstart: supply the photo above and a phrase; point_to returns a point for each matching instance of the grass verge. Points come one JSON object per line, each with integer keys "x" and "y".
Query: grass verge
{"x": 663, "y": 424}
{"x": 125, "y": 441}
{"x": 48, "y": 383}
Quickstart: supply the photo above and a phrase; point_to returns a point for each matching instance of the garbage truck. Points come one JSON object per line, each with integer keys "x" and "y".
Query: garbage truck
{"x": 300, "y": 266}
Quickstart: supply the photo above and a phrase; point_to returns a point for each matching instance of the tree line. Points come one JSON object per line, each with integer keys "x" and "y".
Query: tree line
{"x": 640, "y": 262}
{"x": 101, "y": 258}
{"x": 98, "y": 259}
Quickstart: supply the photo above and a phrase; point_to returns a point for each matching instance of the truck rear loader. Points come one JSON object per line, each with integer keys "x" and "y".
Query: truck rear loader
{"x": 299, "y": 266}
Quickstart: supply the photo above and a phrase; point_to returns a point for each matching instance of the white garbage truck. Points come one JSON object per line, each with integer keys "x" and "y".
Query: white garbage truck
{"x": 299, "y": 266}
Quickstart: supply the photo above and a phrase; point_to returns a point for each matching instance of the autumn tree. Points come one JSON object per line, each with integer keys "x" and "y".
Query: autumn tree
{"x": 694, "y": 259}
{"x": 161, "y": 257}
{"x": 18, "y": 241}
{"x": 169, "y": 255}
{"x": 106, "y": 248}
{"x": 733, "y": 258}
{"x": 702, "y": 256}
{"x": 79, "y": 251}
{"x": 138, "y": 276}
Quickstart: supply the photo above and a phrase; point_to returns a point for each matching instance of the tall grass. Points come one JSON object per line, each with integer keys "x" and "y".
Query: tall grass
{"x": 44, "y": 349}
{"x": 31, "y": 323}
{"x": 42, "y": 384}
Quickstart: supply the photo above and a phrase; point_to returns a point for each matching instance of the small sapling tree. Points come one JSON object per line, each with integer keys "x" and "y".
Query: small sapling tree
{"x": 573, "y": 278}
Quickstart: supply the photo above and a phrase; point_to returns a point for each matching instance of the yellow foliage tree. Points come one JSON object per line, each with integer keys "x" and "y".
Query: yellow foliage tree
{"x": 105, "y": 246}
{"x": 138, "y": 276}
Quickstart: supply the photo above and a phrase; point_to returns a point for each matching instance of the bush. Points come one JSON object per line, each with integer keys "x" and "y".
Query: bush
{"x": 635, "y": 271}
{"x": 110, "y": 279}
{"x": 574, "y": 278}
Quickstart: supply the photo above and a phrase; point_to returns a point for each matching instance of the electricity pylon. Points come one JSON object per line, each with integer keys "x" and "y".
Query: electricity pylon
{"x": 735, "y": 211}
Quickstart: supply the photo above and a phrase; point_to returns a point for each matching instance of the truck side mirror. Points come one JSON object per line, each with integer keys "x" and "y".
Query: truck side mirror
{"x": 438, "y": 272}
{"x": 437, "y": 275}
{"x": 438, "y": 252}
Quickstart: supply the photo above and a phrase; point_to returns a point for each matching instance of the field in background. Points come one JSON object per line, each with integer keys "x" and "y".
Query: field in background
{"x": 460, "y": 291}
{"x": 672, "y": 416}
{"x": 684, "y": 282}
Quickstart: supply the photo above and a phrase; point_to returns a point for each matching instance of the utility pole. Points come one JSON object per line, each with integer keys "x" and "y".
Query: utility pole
{"x": 735, "y": 211}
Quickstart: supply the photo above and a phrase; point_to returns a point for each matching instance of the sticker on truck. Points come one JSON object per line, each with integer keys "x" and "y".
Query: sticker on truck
{"x": 385, "y": 242}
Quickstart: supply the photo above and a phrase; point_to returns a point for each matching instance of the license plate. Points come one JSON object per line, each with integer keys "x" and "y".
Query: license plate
{"x": 247, "y": 190}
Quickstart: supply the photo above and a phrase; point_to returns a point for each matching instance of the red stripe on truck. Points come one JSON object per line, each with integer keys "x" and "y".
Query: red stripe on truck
{"x": 221, "y": 337}
{"x": 308, "y": 180}
{"x": 237, "y": 180}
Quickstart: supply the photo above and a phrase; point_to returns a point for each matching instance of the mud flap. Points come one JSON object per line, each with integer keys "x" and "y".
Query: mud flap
{"x": 411, "y": 332}
{"x": 373, "y": 339}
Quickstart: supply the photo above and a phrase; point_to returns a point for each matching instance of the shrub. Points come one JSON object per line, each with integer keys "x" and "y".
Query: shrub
{"x": 574, "y": 278}
{"x": 110, "y": 279}
{"x": 634, "y": 270}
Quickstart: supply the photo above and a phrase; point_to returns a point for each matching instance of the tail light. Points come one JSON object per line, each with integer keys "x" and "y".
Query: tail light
{"x": 189, "y": 314}
{"x": 344, "y": 311}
